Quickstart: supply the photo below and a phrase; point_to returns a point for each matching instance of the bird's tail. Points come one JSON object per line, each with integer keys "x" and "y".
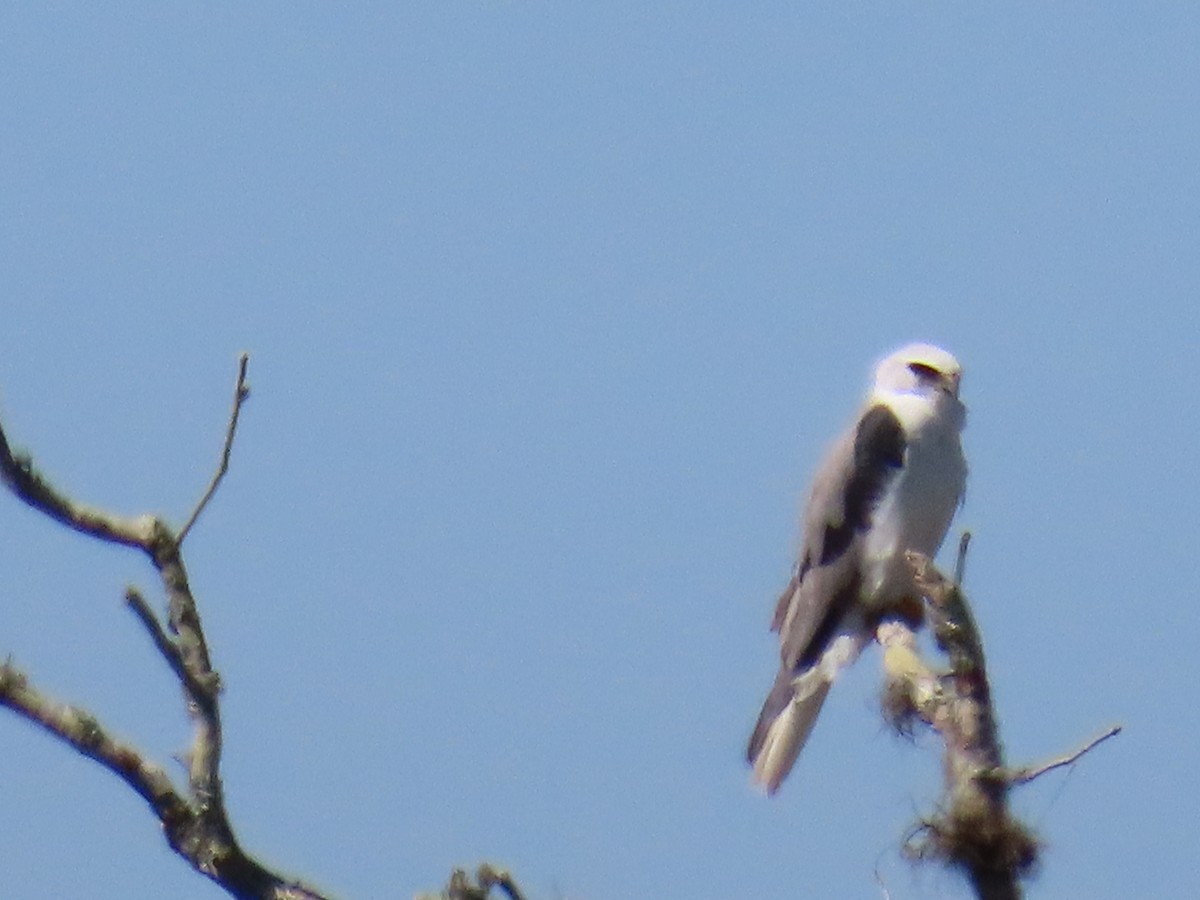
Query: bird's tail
{"x": 791, "y": 709}
{"x": 785, "y": 723}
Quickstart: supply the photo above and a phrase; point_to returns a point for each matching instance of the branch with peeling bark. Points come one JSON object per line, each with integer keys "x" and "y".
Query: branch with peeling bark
{"x": 193, "y": 816}
{"x": 973, "y": 829}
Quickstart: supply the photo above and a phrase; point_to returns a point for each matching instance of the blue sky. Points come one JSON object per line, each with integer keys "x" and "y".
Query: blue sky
{"x": 552, "y": 310}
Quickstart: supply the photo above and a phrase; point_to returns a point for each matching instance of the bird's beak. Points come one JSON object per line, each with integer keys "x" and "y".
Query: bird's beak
{"x": 950, "y": 382}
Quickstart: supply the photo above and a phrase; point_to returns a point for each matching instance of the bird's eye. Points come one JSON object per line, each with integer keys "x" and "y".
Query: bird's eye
{"x": 924, "y": 371}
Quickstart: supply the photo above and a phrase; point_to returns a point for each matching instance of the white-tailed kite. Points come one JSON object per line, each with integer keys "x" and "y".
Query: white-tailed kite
{"x": 890, "y": 484}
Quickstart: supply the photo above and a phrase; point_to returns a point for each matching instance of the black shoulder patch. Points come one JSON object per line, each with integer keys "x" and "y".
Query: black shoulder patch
{"x": 878, "y": 452}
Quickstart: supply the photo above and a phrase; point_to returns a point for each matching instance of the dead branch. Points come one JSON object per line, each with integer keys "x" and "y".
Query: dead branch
{"x": 487, "y": 876}
{"x": 241, "y": 393}
{"x": 1026, "y": 774}
{"x": 194, "y": 819}
{"x": 82, "y": 731}
{"x": 973, "y": 829}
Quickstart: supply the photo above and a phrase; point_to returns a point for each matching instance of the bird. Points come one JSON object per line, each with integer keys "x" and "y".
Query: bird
{"x": 890, "y": 483}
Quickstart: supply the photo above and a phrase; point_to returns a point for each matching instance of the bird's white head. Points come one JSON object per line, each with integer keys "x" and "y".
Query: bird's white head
{"x": 922, "y": 369}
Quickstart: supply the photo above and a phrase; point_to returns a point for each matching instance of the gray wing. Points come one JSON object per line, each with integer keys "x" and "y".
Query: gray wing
{"x": 848, "y": 485}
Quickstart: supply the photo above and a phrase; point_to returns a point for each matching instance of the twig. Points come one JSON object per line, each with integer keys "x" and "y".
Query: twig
{"x": 1026, "y": 774}
{"x": 883, "y": 888}
{"x": 960, "y": 564}
{"x": 241, "y": 392}
{"x": 166, "y": 647}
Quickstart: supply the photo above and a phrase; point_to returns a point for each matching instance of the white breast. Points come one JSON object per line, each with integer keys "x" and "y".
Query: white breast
{"x": 915, "y": 510}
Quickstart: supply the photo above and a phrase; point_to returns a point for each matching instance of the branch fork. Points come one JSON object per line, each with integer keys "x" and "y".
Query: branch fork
{"x": 973, "y": 829}
{"x": 194, "y": 818}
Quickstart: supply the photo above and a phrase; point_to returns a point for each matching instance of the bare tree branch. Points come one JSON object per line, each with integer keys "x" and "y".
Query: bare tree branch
{"x": 973, "y": 829}
{"x": 80, "y": 729}
{"x": 1026, "y": 774}
{"x": 487, "y": 876}
{"x": 960, "y": 563}
{"x": 163, "y": 643}
{"x": 241, "y": 393}
{"x": 23, "y": 480}
{"x": 166, "y": 646}
{"x": 194, "y": 821}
